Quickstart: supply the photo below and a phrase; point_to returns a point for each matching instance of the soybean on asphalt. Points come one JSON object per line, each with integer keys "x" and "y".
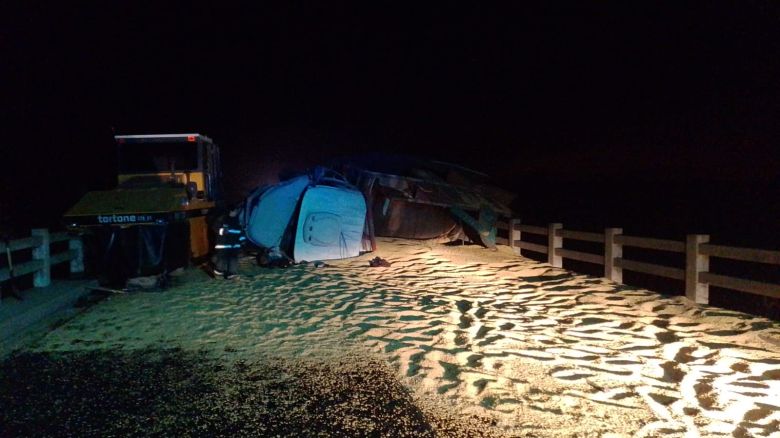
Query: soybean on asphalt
{"x": 484, "y": 341}
{"x": 173, "y": 392}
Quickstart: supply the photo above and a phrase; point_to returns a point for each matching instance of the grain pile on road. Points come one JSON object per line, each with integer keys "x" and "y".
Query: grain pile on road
{"x": 478, "y": 341}
{"x": 172, "y": 392}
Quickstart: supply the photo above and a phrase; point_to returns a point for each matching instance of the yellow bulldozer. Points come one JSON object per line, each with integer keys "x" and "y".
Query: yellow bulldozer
{"x": 156, "y": 219}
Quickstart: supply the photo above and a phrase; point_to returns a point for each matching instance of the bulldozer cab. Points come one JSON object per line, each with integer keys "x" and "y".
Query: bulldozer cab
{"x": 189, "y": 161}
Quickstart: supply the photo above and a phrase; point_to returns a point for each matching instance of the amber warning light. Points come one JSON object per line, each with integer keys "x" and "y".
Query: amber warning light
{"x": 190, "y": 138}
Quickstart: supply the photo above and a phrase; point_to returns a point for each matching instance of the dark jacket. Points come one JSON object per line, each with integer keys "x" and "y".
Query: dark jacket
{"x": 229, "y": 234}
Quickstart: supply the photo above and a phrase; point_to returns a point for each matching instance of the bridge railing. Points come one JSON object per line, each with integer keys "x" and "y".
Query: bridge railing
{"x": 695, "y": 274}
{"x": 42, "y": 259}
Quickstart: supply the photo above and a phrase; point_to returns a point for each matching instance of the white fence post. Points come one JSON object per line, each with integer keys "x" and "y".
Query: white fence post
{"x": 77, "y": 262}
{"x": 554, "y": 242}
{"x": 42, "y": 277}
{"x": 514, "y": 235}
{"x": 612, "y": 250}
{"x": 695, "y": 264}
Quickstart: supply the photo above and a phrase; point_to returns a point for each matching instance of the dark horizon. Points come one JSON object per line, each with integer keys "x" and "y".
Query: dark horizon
{"x": 567, "y": 99}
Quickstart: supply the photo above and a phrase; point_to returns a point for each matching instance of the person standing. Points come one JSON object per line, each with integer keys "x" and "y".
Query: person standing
{"x": 228, "y": 245}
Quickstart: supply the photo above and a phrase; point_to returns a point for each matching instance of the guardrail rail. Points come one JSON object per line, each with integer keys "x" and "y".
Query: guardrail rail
{"x": 697, "y": 249}
{"x": 40, "y": 242}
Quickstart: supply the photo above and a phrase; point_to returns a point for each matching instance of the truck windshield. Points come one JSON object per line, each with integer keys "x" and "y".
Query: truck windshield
{"x": 158, "y": 157}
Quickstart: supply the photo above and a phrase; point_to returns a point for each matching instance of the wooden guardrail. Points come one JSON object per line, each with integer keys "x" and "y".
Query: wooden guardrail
{"x": 697, "y": 249}
{"x": 42, "y": 258}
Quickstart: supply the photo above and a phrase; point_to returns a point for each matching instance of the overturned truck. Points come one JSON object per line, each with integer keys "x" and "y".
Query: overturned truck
{"x": 317, "y": 216}
{"x": 324, "y": 215}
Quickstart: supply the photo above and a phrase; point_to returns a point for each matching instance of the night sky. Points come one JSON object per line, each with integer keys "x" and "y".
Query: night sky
{"x": 551, "y": 99}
